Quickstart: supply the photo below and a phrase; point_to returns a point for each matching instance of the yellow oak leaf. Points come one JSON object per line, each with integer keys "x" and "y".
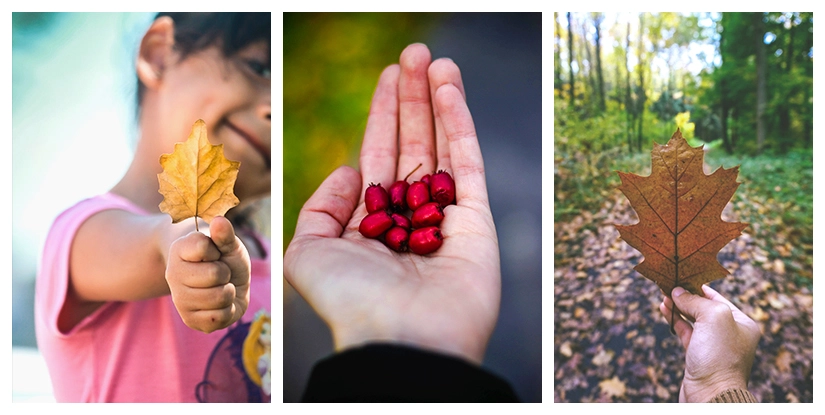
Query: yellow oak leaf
{"x": 197, "y": 180}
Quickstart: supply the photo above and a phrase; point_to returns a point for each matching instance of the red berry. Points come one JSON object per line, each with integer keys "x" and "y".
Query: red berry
{"x": 398, "y": 195}
{"x": 428, "y": 214}
{"x": 374, "y": 224}
{"x": 425, "y": 240}
{"x": 426, "y": 179}
{"x": 401, "y": 221}
{"x": 376, "y": 198}
{"x": 417, "y": 195}
{"x": 442, "y": 188}
{"x": 397, "y": 239}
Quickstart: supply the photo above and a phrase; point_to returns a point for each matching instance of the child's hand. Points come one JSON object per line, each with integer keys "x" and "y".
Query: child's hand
{"x": 209, "y": 277}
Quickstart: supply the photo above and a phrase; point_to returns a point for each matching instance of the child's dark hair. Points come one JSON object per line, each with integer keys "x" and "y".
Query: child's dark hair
{"x": 231, "y": 31}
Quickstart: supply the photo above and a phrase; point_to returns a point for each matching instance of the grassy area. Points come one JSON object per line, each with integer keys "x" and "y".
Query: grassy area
{"x": 776, "y": 198}
{"x": 583, "y": 181}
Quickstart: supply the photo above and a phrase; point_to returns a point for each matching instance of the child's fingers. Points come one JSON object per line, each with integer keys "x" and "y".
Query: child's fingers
{"x": 195, "y": 247}
{"x": 206, "y": 274}
{"x": 209, "y": 298}
{"x": 233, "y": 253}
{"x": 208, "y": 321}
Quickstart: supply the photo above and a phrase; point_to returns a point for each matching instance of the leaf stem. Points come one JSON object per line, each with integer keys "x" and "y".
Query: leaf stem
{"x": 416, "y": 168}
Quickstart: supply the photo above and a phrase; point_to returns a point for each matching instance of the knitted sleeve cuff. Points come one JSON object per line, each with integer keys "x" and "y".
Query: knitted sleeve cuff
{"x": 734, "y": 395}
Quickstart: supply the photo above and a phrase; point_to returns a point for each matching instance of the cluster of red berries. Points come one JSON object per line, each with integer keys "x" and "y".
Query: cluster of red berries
{"x": 388, "y": 220}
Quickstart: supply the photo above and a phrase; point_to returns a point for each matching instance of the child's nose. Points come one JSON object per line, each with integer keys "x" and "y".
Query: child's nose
{"x": 265, "y": 108}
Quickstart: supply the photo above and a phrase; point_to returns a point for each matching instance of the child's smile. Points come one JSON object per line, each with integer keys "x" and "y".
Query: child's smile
{"x": 252, "y": 140}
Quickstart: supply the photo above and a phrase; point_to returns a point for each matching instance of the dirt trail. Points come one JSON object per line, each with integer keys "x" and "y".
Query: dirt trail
{"x": 611, "y": 343}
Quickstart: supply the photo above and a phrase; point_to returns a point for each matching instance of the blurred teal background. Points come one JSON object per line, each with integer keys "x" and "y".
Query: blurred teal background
{"x": 331, "y": 66}
{"x": 73, "y": 129}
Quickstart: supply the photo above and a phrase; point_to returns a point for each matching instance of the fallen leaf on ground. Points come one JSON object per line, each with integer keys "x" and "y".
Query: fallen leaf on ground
{"x": 759, "y": 314}
{"x": 783, "y": 361}
{"x": 602, "y": 358}
{"x": 613, "y": 387}
{"x": 565, "y": 349}
{"x": 662, "y": 392}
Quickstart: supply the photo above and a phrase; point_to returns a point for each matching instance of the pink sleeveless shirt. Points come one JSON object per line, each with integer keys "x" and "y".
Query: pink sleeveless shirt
{"x": 138, "y": 351}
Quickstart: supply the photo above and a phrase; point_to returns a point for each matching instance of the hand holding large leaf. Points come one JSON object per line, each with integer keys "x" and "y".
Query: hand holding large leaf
{"x": 197, "y": 180}
{"x": 680, "y": 229}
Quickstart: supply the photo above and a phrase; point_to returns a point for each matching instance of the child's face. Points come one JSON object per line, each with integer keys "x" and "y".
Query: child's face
{"x": 233, "y": 96}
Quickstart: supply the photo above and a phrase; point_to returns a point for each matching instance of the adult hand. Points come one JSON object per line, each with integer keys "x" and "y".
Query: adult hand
{"x": 446, "y": 301}
{"x": 719, "y": 340}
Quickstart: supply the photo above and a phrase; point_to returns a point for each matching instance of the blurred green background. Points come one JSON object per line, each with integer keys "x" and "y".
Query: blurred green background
{"x": 331, "y": 66}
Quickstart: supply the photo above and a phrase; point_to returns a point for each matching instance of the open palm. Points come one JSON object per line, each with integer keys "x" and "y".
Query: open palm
{"x": 446, "y": 301}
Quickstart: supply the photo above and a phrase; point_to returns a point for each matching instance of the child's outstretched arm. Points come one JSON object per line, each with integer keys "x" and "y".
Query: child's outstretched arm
{"x": 120, "y": 256}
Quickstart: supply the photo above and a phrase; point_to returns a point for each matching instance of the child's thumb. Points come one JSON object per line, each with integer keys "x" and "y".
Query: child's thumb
{"x": 223, "y": 235}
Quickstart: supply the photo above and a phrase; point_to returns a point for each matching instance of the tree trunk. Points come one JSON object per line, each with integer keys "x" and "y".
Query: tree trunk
{"x": 724, "y": 126}
{"x": 570, "y": 60}
{"x": 557, "y": 83}
{"x": 761, "y": 84}
{"x": 591, "y": 79}
{"x": 807, "y": 122}
{"x": 597, "y": 22}
{"x": 641, "y": 96}
{"x": 627, "y": 97}
{"x": 724, "y": 103}
{"x": 785, "y": 108}
{"x": 617, "y": 92}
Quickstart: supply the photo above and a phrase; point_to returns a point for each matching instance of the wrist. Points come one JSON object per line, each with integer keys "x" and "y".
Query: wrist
{"x": 470, "y": 351}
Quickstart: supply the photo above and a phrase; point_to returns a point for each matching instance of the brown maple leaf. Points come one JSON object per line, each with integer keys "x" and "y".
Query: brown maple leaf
{"x": 680, "y": 229}
{"x": 197, "y": 180}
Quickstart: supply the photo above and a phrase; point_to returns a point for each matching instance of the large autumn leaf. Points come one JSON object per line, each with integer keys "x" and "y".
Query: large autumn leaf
{"x": 197, "y": 180}
{"x": 680, "y": 229}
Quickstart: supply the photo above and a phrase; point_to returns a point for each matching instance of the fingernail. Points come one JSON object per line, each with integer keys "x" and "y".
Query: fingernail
{"x": 678, "y": 291}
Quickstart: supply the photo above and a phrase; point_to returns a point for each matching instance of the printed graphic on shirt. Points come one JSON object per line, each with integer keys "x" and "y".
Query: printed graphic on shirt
{"x": 228, "y": 378}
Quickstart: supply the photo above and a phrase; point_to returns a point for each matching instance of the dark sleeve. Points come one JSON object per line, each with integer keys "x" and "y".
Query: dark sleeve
{"x": 392, "y": 373}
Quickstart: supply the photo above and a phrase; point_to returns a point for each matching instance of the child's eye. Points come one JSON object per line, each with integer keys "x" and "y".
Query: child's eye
{"x": 259, "y": 68}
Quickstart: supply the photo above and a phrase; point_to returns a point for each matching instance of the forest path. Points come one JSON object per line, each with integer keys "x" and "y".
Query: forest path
{"x": 611, "y": 343}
